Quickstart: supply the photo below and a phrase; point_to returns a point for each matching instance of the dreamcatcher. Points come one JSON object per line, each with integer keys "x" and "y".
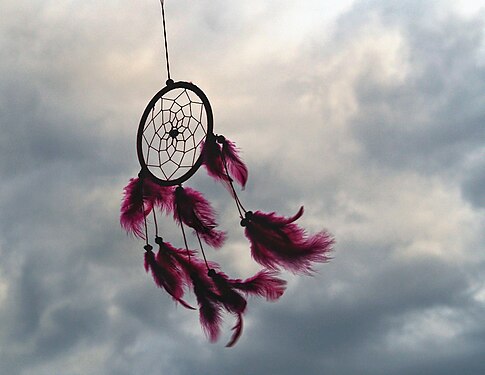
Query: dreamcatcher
{"x": 175, "y": 138}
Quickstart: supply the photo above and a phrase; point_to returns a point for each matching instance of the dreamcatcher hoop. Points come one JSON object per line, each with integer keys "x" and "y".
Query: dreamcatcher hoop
{"x": 174, "y": 126}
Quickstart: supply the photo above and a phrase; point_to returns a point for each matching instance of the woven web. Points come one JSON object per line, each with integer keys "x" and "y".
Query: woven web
{"x": 173, "y": 133}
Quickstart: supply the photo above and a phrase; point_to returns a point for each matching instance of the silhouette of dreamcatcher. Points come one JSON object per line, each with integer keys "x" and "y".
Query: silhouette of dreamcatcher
{"x": 175, "y": 138}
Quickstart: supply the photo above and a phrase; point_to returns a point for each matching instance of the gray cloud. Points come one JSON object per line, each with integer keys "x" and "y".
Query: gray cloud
{"x": 434, "y": 117}
{"x": 474, "y": 184}
{"x": 318, "y": 332}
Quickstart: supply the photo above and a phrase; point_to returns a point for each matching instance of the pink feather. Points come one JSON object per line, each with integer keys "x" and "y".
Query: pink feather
{"x": 184, "y": 258}
{"x": 237, "y": 169}
{"x": 277, "y": 242}
{"x": 213, "y": 162}
{"x": 264, "y": 284}
{"x": 171, "y": 257}
{"x": 232, "y": 301}
{"x": 192, "y": 209}
{"x": 210, "y": 308}
{"x": 166, "y": 276}
{"x": 140, "y": 196}
{"x": 238, "y": 328}
{"x": 222, "y": 161}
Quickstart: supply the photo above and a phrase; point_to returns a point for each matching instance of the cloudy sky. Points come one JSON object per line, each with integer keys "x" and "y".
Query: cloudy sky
{"x": 369, "y": 113}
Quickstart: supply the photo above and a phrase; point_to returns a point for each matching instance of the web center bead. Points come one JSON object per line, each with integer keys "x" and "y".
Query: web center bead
{"x": 174, "y": 132}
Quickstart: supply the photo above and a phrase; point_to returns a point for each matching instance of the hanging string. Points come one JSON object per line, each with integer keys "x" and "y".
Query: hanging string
{"x": 146, "y": 227}
{"x": 239, "y": 205}
{"x": 147, "y": 247}
{"x": 183, "y": 232}
{"x": 155, "y": 222}
{"x": 162, "y": 4}
{"x": 203, "y": 252}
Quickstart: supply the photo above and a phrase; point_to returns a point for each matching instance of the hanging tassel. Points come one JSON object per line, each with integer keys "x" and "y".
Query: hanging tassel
{"x": 279, "y": 242}
{"x": 264, "y": 284}
{"x": 165, "y": 276}
{"x": 140, "y": 196}
{"x": 192, "y": 209}
{"x": 222, "y": 161}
